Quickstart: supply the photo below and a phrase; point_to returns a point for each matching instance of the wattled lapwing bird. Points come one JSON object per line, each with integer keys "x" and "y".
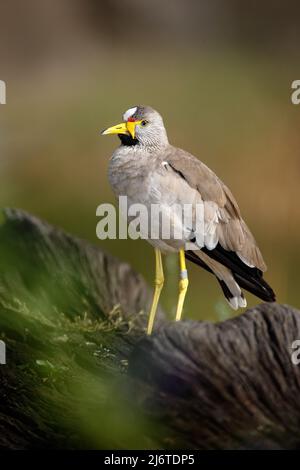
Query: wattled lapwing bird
{"x": 149, "y": 170}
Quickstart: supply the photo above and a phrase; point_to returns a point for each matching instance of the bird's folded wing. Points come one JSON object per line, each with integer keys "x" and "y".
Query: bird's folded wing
{"x": 232, "y": 232}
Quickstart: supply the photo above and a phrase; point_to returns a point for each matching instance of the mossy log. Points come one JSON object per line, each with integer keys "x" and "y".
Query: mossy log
{"x": 81, "y": 373}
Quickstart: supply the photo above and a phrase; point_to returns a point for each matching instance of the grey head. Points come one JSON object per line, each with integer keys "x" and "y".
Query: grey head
{"x": 142, "y": 126}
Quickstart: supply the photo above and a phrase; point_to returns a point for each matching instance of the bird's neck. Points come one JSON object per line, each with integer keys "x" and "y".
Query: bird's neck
{"x": 152, "y": 146}
{"x": 127, "y": 140}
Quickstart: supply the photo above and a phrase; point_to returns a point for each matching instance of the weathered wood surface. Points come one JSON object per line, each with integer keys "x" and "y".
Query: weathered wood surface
{"x": 70, "y": 315}
{"x": 81, "y": 373}
{"x": 45, "y": 262}
{"x": 226, "y": 385}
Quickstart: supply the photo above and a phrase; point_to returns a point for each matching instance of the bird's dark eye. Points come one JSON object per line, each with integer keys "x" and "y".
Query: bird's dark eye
{"x": 144, "y": 123}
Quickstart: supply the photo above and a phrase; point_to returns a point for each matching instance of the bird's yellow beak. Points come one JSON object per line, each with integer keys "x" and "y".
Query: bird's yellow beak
{"x": 123, "y": 128}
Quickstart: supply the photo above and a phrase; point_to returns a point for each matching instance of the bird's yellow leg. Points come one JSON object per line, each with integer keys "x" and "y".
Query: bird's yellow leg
{"x": 159, "y": 282}
{"x": 183, "y": 285}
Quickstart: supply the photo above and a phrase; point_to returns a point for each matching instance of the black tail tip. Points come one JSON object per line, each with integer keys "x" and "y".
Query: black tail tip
{"x": 268, "y": 294}
{"x": 272, "y": 297}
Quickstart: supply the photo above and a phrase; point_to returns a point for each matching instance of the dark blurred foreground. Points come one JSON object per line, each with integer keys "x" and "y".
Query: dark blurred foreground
{"x": 81, "y": 373}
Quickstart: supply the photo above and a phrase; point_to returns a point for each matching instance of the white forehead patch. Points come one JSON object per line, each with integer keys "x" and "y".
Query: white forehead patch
{"x": 130, "y": 112}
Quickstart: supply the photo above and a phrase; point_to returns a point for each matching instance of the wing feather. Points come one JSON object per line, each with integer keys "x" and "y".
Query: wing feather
{"x": 222, "y": 216}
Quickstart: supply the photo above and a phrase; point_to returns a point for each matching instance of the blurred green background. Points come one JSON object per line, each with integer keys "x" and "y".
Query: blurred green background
{"x": 220, "y": 73}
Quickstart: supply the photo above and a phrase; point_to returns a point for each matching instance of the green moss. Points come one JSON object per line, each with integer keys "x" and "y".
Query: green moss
{"x": 2, "y": 217}
{"x": 66, "y": 360}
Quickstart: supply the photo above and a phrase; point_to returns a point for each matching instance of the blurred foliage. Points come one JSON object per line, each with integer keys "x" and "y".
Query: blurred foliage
{"x": 65, "y": 377}
{"x": 47, "y": 34}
